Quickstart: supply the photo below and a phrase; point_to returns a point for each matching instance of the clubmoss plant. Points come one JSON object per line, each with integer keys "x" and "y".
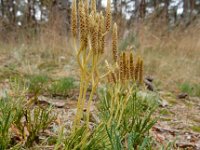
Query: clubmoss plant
{"x": 124, "y": 76}
{"x": 140, "y": 72}
{"x": 131, "y": 63}
{"x": 114, "y": 42}
{"x": 7, "y": 117}
{"x": 93, "y": 5}
{"x": 37, "y": 120}
{"x": 21, "y": 121}
{"x": 136, "y": 120}
{"x": 91, "y": 47}
{"x": 108, "y": 15}
{"x": 74, "y": 20}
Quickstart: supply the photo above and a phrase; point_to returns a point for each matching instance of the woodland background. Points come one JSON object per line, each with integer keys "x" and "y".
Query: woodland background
{"x": 37, "y": 62}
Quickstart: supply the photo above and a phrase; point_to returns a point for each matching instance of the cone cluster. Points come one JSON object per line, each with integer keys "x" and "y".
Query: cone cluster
{"x": 90, "y": 25}
{"x": 128, "y": 70}
{"x": 91, "y": 28}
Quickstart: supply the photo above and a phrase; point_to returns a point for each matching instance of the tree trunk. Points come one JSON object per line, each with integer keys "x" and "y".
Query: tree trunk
{"x": 28, "y": 20}
{"x": 192, "y": 4}
{"x": 2, "y": 8}
{"x": 166, "y": 13}
{"x": 99, "y": 6}
{"x": 115, "y": 6}
{"x": 155, "y": 4}
{"x": 185, "y": 7}
{"x": 142, "y": 9}
{"x": 137, "y": 5}
{"x": 68, "y": 16}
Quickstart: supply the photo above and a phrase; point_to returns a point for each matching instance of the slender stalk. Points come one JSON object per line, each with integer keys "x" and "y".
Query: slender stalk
{"x": 123, "y": 107}
{"x": 77, "y": 120}
{"x": 74, "y": 42}
{"x": 111, "y": 109}
{"x": 84, "y": 94}
{"x": 79, "y": 103}
{"x": 118, "y": 104}
{"x": 94, "y": 85}
{"x": 89, "y": 105}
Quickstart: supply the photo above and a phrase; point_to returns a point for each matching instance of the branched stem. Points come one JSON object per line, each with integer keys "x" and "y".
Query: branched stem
{"x": 124, "y": 106}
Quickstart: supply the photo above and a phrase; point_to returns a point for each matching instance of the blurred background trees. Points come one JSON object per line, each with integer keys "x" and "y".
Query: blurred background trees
{"x": 23, "y": 14}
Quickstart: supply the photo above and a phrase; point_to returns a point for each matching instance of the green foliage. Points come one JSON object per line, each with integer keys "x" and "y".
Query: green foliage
{"x": 131, "y": 133}
{"x": 8, "y": 72}
{"x": 74, "y": 139}
{"x": 169, "y": 146}
{"x": 196, "y": 128}
{"x": 25, "y": 118}
{"x": 191, "y": 89}
{"x": 186, "y": 87}
{"x": 82, "y": 139}
{"x": 114, "y": 137}
{"x": 62, "y": 86}
{"x": 135, "y": 124}
{"x": 10, "y": 110}
{"x": 37, "y": 120}
{"x": 37, "y": 83}
{"x": 40, "y": 84}
{"x": 7, "y": 117}
{"x": 197, "y": 90}
{"x": 164, "y": 112}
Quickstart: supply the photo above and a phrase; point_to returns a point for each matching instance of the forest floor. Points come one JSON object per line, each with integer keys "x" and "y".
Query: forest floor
{"x": 179, "y": 111}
